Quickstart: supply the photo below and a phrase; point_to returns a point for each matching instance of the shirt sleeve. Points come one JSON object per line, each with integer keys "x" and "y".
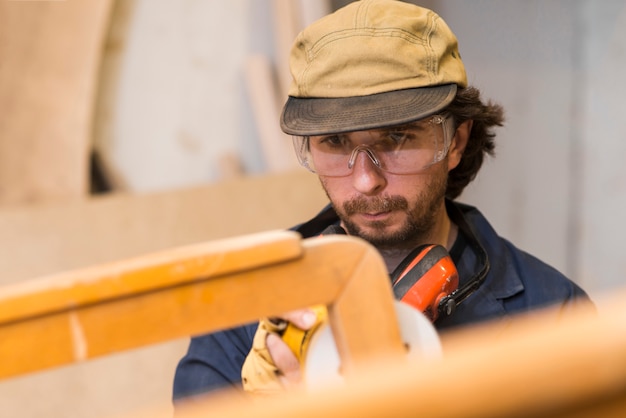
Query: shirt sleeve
{"x": 213, "y": 362}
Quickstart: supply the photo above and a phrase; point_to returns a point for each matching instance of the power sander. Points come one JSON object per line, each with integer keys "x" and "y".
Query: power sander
{"x": 420, "y": 283}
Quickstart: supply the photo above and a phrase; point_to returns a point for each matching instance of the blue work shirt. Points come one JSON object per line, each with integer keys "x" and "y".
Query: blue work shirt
{"x": 516, "y": 282}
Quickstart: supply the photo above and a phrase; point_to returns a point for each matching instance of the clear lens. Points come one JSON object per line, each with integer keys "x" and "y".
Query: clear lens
{"x": 407, "y": 149}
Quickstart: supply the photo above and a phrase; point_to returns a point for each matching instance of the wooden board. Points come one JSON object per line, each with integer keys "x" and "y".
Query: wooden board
{"x": 71, "y": 235}
{"x": 188, "y": 290}
{"x": 50, "y": 52}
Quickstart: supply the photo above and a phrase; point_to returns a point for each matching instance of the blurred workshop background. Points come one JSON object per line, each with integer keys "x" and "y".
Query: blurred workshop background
{"x": 130, "y": 126}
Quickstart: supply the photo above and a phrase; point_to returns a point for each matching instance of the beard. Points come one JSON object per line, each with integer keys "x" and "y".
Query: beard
{"x": 418, "y": 226}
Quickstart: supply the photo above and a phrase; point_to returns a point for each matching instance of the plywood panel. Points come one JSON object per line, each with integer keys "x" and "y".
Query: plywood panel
{"x": 50, "y": 52}
{"x": 54, "y": 237}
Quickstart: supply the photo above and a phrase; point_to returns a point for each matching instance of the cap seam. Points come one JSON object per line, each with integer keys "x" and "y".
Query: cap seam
{"x": 365, "y": 5}
{"x": 431, "y": 51}
{"x": 366, "y": 31}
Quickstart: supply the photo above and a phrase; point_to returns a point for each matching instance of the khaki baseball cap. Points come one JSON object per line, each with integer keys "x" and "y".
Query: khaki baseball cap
{"x": 371, "y": 64}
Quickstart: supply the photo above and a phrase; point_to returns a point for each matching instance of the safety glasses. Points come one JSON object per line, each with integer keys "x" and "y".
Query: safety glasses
{"x": 405, "y": 149}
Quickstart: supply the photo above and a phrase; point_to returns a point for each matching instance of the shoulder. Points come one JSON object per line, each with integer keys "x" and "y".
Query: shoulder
{"x": 538, "y": 277}
{"x": 516, "y": 282}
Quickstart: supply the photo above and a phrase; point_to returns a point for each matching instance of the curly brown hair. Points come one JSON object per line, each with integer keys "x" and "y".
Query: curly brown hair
{"x": 468, "y": 105}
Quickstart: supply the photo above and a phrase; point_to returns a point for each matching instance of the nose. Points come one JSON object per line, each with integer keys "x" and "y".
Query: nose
{"x": 367, "y": 176}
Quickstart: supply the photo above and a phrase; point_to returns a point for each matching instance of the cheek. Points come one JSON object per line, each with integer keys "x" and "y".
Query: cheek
{"x": 426, "y": 187}
{"x": 336, "y": 188}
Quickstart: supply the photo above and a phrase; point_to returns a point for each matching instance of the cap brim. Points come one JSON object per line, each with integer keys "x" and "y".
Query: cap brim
{"x": 318, "y": 116}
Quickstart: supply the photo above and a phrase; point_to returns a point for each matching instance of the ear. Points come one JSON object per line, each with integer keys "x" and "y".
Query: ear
{"x": 458, "y": 144}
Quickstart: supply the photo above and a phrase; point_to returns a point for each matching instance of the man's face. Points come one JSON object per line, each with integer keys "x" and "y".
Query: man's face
{"x": 390, "y": 211}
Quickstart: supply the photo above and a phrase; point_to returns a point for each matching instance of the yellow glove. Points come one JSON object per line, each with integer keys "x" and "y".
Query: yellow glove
{"x": 259, "y": 374}
{"x": 299, "y": 340}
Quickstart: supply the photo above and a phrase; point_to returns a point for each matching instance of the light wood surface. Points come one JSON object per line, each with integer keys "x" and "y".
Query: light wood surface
{"x": 50, "y": 53}
{"x": 158, "y": 297}
{"x": 548, "y": 364}
{"x": 267, "y": 101}
{"x": 48, "y": 239}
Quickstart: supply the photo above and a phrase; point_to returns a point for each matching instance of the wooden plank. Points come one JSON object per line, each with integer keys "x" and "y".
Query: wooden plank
{"x": 72, "y": 235}
{"x": 150, "y": 273}
{"x": 547, "y": 364}
{"x": 50, "y": 53}
{"x": 267, "y": 102}
{"x": 287, "y": 25}
{"x": 129, "y": 304}
{"x": 106, "y": 98}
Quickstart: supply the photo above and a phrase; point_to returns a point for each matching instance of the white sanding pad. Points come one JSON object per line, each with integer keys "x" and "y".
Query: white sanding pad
{"x": 322, "y": 363}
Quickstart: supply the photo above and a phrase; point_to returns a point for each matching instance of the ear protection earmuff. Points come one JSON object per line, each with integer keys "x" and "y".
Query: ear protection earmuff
{"x": 425, "y": 278}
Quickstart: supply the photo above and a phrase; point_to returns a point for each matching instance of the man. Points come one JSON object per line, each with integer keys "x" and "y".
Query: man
{"x": 380, "y": 110}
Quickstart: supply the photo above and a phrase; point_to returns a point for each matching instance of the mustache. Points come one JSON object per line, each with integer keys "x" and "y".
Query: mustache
{"x": 374, "y": 205}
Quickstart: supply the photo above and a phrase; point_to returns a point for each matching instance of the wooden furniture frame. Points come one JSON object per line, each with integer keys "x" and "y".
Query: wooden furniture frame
{"x": 101, "y": 310}
{"x": 548, "y": 364}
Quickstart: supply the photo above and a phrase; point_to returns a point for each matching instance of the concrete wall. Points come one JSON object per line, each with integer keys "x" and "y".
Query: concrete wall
{"x": 556, "y": 186}
{"x": 177, "y": 100}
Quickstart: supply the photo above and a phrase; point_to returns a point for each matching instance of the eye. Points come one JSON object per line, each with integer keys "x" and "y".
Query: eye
{"x": 398, "y": 136}
{"x": 395, "y": 138}
{"x": 331, "y": 141}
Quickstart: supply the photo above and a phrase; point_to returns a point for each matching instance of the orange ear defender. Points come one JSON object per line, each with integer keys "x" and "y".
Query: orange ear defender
{"x": 425, "y": 279}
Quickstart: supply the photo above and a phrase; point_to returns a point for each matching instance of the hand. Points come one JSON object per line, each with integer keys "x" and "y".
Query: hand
{"x": 271, "y": 366}
{"x": 284, "y": 359}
